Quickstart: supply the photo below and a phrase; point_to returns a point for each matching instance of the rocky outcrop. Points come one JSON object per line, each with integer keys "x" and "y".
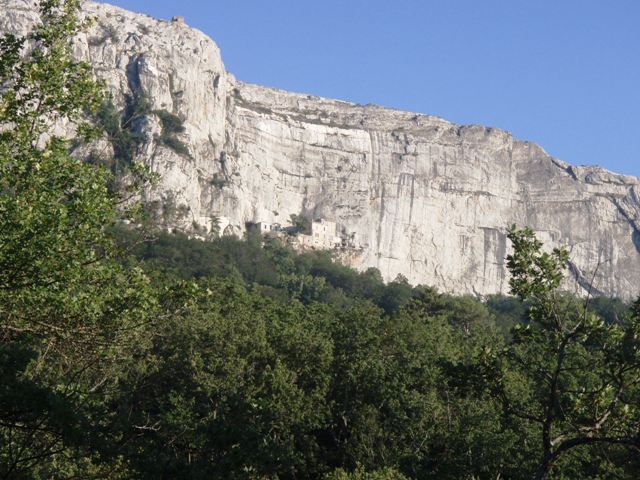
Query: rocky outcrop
{"x": 421, "y": 197}
{"x": 177, "y": 69}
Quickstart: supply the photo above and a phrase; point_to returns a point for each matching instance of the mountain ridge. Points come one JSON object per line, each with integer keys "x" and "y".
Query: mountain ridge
{"x": 419, "y": 196}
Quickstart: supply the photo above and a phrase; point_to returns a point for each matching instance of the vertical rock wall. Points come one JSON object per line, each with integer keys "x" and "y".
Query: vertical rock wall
{"x": 417, "y": 195}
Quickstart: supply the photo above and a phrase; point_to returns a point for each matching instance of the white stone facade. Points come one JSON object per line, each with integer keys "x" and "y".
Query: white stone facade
{"x": 323, "y": 236}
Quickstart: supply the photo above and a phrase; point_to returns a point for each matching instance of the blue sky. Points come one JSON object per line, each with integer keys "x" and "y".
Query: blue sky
{"x": 562, "y": 73}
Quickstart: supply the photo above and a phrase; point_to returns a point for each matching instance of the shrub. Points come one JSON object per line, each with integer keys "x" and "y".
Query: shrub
{"x": 172, "y": 125}
{"x": 218, "y": 181}
{"x": 120, "y": 132}
{"x": 301, "y": 224}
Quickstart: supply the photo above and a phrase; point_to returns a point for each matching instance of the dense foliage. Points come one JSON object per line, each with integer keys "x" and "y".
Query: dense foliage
{"x": 125, "y": 355}
{"x": 582, "y": 374}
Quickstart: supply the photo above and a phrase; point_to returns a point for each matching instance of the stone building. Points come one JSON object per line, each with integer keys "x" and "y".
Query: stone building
{"x": 323, "y": 235}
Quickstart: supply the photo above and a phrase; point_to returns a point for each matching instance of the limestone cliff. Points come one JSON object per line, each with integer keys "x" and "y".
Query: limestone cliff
{"x": 417, "y": 195}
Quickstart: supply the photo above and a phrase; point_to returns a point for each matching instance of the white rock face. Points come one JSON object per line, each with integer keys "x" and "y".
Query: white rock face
{"x": 177, "y": 68}
{"x": 423, "y": 197}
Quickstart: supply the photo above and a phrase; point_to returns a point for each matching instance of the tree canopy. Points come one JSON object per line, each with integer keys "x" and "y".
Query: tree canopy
{"x": 570, "y": 375}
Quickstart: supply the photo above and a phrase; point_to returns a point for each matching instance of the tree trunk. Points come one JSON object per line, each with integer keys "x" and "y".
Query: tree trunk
{"x": 545, "y": 466}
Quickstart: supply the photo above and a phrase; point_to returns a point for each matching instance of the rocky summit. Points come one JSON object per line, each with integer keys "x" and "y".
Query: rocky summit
{"x": 409, "y": 194}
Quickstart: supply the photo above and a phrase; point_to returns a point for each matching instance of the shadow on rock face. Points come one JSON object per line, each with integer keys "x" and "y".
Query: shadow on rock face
{"x": 636, "y": 239}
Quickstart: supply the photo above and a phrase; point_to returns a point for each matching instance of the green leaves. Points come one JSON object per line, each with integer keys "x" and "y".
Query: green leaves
{"x": 534, "y": 273}
{"x": 64, "y": 297}
{"x": 569, "y": 374}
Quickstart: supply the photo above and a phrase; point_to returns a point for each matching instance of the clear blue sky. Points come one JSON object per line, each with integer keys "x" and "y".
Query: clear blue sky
{"x": 562, "y": 73}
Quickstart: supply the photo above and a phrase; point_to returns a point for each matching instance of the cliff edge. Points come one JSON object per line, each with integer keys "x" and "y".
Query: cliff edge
{"x": 410, "y": 194}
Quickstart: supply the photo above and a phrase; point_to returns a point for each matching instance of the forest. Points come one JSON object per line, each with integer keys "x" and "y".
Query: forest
{"x": 130, "y": 352}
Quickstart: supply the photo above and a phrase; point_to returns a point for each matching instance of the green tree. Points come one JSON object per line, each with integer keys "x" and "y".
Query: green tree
{"x": 301, "y": 223}
{"x": 568, "y": 374}
{"x": 232, "y": 387}
{"x": 361, "y": 474}
{"x": 67, "y": 308}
